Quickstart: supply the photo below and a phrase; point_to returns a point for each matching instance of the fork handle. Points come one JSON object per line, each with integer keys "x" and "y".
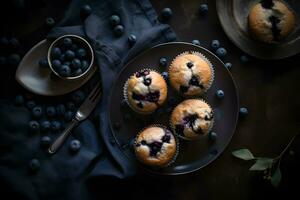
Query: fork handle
{"x": 62, "y": 138}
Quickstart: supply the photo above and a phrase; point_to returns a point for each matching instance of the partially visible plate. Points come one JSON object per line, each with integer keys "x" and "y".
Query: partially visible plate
{"x": 41, "y": 80}
{"x": 233, "y": 15}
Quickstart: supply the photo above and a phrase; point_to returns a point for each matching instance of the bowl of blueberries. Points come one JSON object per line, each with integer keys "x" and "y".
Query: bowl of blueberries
{"x": 70, "y": 57}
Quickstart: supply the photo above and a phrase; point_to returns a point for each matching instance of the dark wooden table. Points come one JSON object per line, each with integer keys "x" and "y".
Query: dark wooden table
{"x": 269, "y": 89}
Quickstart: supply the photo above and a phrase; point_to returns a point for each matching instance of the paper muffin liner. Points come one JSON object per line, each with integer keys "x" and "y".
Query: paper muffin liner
{"x": 176, "y": 141}
{"x": 206, "y": 60}
{"x": 125, "y": 87}
{"x": 198, "y": 137}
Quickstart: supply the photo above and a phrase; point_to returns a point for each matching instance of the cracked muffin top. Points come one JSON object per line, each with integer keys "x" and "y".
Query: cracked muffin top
{"x": 191, "y": 74}
{"x": 271, "y": 21}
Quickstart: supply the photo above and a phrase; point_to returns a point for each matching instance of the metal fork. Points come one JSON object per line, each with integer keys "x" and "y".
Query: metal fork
{"x": 83, "y": 112}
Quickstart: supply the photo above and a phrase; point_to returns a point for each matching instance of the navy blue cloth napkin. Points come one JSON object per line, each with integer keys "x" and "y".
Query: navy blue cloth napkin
{"x": 62, "y": 176}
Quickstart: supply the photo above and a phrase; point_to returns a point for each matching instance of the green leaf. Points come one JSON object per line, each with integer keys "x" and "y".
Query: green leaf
{"x": 244, "y": 154}
{"x": 276, "y": 177}
{"x": 261, "y": 164}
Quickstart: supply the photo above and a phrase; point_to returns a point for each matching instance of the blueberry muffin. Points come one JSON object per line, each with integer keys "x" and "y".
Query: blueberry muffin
{"x": 192, "y": 119}
{"x": 156, "y": 146}
{"x": 191, "y": 74}
{"x": 145, "y": 91}
{"x": 271, "y": 21}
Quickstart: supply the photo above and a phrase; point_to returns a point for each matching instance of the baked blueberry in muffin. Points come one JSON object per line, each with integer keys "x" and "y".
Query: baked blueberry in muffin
{"x": 145, "y": 91}
{"x": 192, "y": 119}
{"x": 271, "y": 21}
{"x": 156, "y": 146}
{"x": 191, "y": 74}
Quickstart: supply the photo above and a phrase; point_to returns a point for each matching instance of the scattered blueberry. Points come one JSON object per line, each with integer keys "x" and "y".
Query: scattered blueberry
{"x": 30, "y": 104}
{"x": 67, "y": 42}
{"x": 162, "y": 62}
{"x": 118, "y": 30}
{"x": 76, "y": 63}
{"x": 56, "y": 64}
{"x": 75, "y": 145}
{"x": 13, "y": 59}
{"x": 84, "y": 65}
{"x": 243, "y": 111}
{"x": 45, "y": 141}
{"x": 14, "y": 43}
{"x": 203, "y": 9}
{"x": 67, "y": 63}
{"x": 78, "y": 97}
{"x": 2, "y": 60}
{"x": 114, "y": 20}
{"x": 85, "y": 10}
{"x": 60, "y": 109}
{"x": 55, "y": 125}
{"x": 228, "y": 65}
{"x": 131, "y": 39}
{"x": 50, "y": 22}
{"x": 68, "y": 116}
{"x": 221, "y": 52}
{"x": 50, "y": 111}
{"x": 81, "y": 53}
{"x": 34, "y": 126}
{"x": 166, "y": 14}
{"x": 244, "y": 59}
{"x": 34, "y": 165}
{"x": 19, "y": 100}
{"x": 213, "y": 136}
{"x": 74, "y": 47}
{"x": 70, "y": 54}
{"x": 63, "y": 57}
{"x": 220, "y": 94}
{"x": 215, "y": 44}
{"x": 37, "y": 112}
{"x": 64, "y": 70}
{"x": 56, "y": 52}
{"x": 165, "y": 75}
{"x": 43, "y": 63}
{"x": 77, "y": 72}
{"x": 196, "y": 42}
{"x": 71, "y": 106}
{"x": 45, "y": 125}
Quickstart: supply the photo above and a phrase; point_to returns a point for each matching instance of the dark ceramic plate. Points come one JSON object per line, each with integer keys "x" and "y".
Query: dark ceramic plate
{"x": 233, "y": 15}
{"x": 193, "y": 155}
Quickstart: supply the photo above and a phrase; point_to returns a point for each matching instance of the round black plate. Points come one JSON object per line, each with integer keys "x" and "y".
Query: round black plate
{"x": 233, "y": 15}
{"x": 193, "y": 155}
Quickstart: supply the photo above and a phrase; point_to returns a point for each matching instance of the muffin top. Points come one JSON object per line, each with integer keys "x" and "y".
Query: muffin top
{"x": 192, "y": 118}
{"x": 155, "y": 146}
{"x": 146, "y": 91}
{"x": 270, "y": 21}
{"x": 190, "y": 74}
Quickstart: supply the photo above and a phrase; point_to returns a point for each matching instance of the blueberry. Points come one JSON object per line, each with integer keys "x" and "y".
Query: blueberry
{"x": 243, "y": 111}
{"x": 19, "y": 100}
{"x": 67, "y": 42}
{"x": 215, "y": 44}
{"x": 13, "y": 59}
{"x": 34, "y": 126}
{"x": 45, "y": 125}
{"x": 37, "y": 112}
{"x": 45, "y": 141}
{"x": 165, "y": 75}
{"x": 221, "y": 52}
{"x": 220, "y": 94}
{"x": 70, "y": 54}
{"x": 2, "y": 60}
{"x": 56, "y": 52}
{"x": 131, "y": 39}
{"x": 228, "y": 65}
{"x": 244, "y": 59}
{"x": 34, "y": 165}
{"x": 43, "y": 63}
{"x": 50, "y": 22}
{"x": 166, "y": 14}
{"x": 84, "y": 65}
{"x": 76, "y": 63}
{"x": 212, "y": 136}
{"x": 62, "y": 57}
{"x": 196, "y": 42}
{"x": 81, "y": 53}
{"x": 65, "y": 71}
{"x": 68, "y": 116}
{"x": 14, "y": 43}
{"x": 203, "y": 9}
{"x": 30, "y": 104}
{"x": 163, "y": 62}
{"x": 50, "y": 111}
{"x": 74, "y": 47}
{"x": 77, "y": 72}
{"x": 114, "y": 20}
{"x": 56, "y": 64}
{"x": 71, "y": 106}
{"x": 118, "y": 30}
{"x": 67, "y": 63}
{"x": 55, "y": 125}
{"x": 60, "y": 109}
{"x": 78, "y": 97}
{"x": 85, "y": 10}
{"x": 75, "y": 145}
